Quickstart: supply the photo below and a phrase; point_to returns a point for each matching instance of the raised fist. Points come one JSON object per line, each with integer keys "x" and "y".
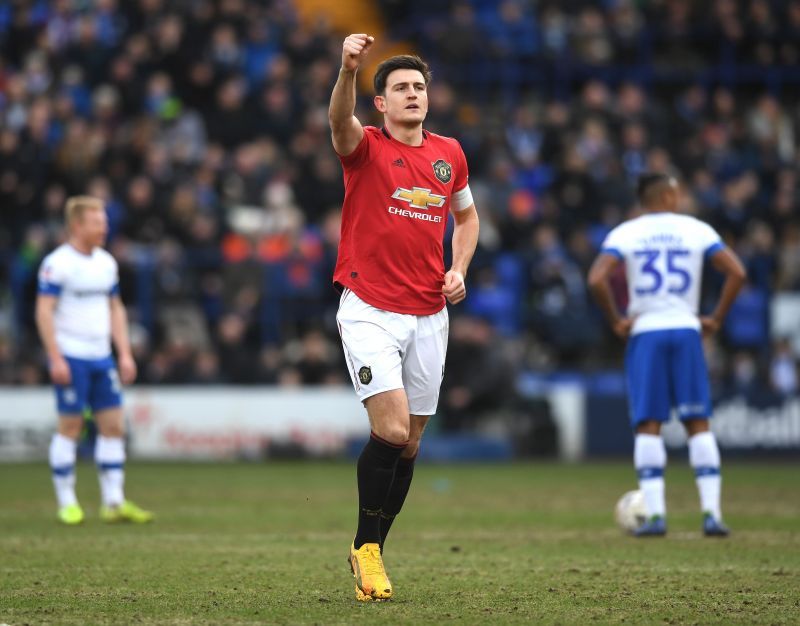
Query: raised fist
{"x": 354, "y": 49}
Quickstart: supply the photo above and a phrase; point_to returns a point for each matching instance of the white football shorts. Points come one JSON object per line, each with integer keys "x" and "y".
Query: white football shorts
{"x": 386, "y": 350}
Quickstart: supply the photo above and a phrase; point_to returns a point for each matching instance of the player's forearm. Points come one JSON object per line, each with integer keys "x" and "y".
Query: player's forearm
{"x": 730, "y": 289}
{"x": 727, "y": 262}
{"x": 605, "y": 300}
{"x": 47, "y": 331}
{"x": 465, "y": 240}
{"x": 343, "y": 100}
{"x": 597, "y": 280}
{"x": 119, "y": 330}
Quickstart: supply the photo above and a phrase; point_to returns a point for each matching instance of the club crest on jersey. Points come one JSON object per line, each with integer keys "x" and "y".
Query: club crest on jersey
{"x": 443, "y": 170}
{"x": 419, "y": 197}
{"x": 365, "y": 375}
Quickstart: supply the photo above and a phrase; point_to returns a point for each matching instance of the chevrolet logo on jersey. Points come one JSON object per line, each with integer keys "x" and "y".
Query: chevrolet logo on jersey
{"x": 419, "y": 197}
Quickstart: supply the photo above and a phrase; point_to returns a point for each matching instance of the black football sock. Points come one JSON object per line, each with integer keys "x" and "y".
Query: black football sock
{"x": 375, "y": 472}
{"x": 397, "y": 494}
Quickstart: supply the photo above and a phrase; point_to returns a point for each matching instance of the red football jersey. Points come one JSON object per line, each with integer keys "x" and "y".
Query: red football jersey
{"x": 396, "y": 203}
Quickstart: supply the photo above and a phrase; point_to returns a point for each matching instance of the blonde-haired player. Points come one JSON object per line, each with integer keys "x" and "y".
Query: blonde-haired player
{"x": 79, "y": 313}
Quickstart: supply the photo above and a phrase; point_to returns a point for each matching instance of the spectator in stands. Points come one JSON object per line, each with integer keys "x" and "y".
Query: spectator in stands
{"x": 783, "y": 372}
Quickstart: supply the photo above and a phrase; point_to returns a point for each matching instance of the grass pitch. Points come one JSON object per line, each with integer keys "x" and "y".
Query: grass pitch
{"x": 527, "y": 543}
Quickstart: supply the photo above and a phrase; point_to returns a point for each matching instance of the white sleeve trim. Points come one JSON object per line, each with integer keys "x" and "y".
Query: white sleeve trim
{"x": 461, "y": 200}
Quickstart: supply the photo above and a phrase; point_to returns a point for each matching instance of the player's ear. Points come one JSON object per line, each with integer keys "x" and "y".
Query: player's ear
{"x": 674, "y": 195}
{"x": 380, "y": 103}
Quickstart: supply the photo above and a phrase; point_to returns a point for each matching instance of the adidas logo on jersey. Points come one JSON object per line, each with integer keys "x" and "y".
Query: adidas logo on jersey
{"x": 398, "y": 163}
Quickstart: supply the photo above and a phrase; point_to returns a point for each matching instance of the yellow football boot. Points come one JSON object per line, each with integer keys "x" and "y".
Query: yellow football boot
{"x": 71, "y": 515}
{"x": 372, "y": 583}
{"x": 363, "y": 597}
{"x": 125, "y": 512}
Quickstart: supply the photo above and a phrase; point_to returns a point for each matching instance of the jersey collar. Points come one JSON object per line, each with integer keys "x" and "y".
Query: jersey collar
{"x": 388, "y": 135}
{"x": 80, "y": 252}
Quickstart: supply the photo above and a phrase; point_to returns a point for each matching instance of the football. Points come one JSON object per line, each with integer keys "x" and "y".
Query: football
{"x": 630, "y": 512}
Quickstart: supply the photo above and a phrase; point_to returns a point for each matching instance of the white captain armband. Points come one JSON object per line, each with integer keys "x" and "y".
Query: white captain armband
{"x": 460, "y": 200}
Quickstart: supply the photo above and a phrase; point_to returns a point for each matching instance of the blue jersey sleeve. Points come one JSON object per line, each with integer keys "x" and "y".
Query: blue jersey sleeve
{"x": 49, "y": 289}
{"x": 614, "y": 244}
{"x": 713, "y": 249}
{"x": 613, "y": 252}
{"x": 49, "y": 280}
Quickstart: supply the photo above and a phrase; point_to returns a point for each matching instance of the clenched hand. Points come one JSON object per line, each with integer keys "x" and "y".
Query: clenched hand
{"x": 354, "y": 49}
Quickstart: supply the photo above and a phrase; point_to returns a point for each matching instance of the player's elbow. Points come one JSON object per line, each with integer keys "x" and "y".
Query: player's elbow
{"x": 340, "y": 124}
{"x": 738, "y": 274}
{"x": 728, "y": 263}
{"x": 595, "y": 280}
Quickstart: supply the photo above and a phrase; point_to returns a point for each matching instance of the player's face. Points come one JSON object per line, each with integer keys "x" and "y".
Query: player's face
{"x": 92, "y": 228}
{"x": 405, "y": 100}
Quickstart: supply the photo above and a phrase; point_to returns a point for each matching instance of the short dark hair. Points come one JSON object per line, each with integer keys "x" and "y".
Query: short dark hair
{"x": 399, "y": 62}
{"x": 650, "y": 185}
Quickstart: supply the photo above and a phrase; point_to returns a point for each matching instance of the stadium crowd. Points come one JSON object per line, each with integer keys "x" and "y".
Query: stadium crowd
{"x": 204, "y": 127}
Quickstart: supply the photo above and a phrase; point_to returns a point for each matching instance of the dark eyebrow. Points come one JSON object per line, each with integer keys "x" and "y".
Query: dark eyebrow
{"x": 413, "y": 83}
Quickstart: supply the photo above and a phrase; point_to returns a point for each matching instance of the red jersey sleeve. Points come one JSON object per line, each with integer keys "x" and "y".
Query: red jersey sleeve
{"x": 365, "y": 151}
{"x": 462, "y": 172}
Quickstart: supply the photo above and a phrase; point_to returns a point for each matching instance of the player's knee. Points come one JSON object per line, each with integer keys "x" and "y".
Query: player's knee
{"x": 696, "y": 426}
{"x": 70, "y": 427}
{"x": 411, "y": 449}
{"x": 110, "y": 423}
{"x": 648, "y": 427}
{"x": 414, "y": 437}
{"x": 113, "y": 431}
{"x": 400, "y": 434}
{"x": 395, "y": 433}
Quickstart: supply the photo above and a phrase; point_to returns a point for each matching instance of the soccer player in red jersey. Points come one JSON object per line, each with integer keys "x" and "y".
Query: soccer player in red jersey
{"x": 400, "y": 183}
